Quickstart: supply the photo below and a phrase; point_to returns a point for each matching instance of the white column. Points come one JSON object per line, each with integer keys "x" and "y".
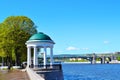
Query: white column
{"x": 51, "y": 56}
{"x": 45, "y": 56}
{"x": 38, "y": 52}
{"x": 35, "y": 56}
{"x": 28, "y": 56}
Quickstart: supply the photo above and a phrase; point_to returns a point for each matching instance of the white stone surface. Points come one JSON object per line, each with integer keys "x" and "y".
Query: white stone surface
{"x": 33, "y": 75}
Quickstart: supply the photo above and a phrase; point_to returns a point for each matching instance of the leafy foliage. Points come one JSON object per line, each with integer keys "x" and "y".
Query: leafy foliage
{"x": 14, "y": 32}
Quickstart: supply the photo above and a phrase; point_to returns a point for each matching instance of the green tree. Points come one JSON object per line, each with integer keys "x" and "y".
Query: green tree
{"x": 118, "y": 58}
{"x": 15, "y": 31}
{"x": 5, "y": 43}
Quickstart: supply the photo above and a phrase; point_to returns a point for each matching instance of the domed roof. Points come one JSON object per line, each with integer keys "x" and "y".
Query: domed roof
{"x": 40, "y": 36}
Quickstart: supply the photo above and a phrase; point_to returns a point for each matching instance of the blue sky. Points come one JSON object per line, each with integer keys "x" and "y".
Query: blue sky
{"x": 77, "y": 26}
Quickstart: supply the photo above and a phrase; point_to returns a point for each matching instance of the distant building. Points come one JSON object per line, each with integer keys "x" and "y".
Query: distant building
{"x": 117, "y": 52}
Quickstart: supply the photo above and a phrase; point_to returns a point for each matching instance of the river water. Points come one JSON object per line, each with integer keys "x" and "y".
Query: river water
{"x": 77, "y": 71}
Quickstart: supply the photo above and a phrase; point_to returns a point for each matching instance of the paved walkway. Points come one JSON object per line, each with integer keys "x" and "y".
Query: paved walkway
{"x": 13, "y": 75}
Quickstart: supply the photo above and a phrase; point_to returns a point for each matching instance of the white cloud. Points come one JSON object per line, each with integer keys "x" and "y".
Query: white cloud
{"x": 85, "y": 48}
{"x": 70, "y": 48}
{"x": 106, "y": 42}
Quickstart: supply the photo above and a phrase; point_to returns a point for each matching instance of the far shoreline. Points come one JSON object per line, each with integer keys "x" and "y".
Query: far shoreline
{"x": 98, "y": 62}
{"x": 78, "y": 62}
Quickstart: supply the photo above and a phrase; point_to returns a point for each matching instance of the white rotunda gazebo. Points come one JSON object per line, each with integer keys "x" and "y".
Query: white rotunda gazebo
{"x": 36, "y": 44}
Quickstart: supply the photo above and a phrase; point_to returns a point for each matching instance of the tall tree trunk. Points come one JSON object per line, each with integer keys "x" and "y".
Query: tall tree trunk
{"x": 2, "y": 61}
{"x": 9, "y": 62}
{"x": 17, "y": 55}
